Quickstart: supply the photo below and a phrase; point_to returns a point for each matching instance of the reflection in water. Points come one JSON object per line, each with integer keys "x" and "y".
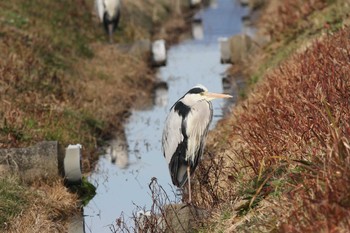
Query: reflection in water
{"x": 226, "y": 84}
{"x": 197, "y": 26}
{"x": 225, "y": 50}
{"x": 117, "y": 151}
{"x": 213, "y": 4}
{"x": 247, "y": 21}
{"x": 235, "y": 85}
{"x": 161, "y": 94}
{"x": 197, "y": 30}
{"x": 244, "y": 2}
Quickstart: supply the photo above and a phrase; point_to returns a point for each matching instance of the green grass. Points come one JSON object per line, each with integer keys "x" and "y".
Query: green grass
{"x": 14, "y": 19}
{"x": 270, "y": 181}
{"x": 12, "y": 200}
{"x": 62, "y": 23}
{"x": 85, "y": 190}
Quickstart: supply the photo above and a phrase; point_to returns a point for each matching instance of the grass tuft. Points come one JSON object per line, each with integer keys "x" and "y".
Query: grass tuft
{"x": 12, "y": 200}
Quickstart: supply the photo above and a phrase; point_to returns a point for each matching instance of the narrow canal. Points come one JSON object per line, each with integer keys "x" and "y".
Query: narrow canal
{"x": 137, "y": 156}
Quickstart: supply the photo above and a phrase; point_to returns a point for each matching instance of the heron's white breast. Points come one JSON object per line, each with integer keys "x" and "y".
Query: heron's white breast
{"x": 197, "y": 125}
{"x": 111, "y": 7}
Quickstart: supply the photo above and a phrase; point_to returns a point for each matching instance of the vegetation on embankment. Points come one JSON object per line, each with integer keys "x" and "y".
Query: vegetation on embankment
{"x": 281, "y": 162}
{"x": 61, "y": 80}
{"x": 59, "y": 77}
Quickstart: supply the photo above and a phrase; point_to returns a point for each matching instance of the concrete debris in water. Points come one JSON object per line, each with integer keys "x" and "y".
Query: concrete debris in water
{"x": 158, "y": 52}
{"x": 236, "y": 48}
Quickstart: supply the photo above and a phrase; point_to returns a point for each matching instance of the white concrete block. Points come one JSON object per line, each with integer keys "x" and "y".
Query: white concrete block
{"x": 72, "y": 164}
{"x": 159, "y": 54}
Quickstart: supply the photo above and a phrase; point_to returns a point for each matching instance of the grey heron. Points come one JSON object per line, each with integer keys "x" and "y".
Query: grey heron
{"x": 109, "y": 13}
{"x": 185, "y": 132}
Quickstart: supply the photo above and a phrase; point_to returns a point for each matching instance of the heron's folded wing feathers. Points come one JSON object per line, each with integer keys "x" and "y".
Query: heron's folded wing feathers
{"x": 197, "y": 125}
{"x": 100, "y": 8}
{"x": 184, "y": 136}
{"x": 172, "y": 135}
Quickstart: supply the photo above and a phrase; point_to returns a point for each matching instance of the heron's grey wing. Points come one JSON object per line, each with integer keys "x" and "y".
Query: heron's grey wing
{"x": 172, "y": 135}
{"x": 197, "y": 125}
{"x": 100, "y": 9}
{"x": 174, "y": 147}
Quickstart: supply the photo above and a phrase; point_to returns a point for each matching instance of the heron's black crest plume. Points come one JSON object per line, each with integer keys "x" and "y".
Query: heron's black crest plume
{"x": 196, "y": 90}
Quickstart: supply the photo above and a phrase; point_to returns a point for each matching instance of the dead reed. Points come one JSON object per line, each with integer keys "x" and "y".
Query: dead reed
{"x": 289, "y": 140}
{"x": 290, "y": 17}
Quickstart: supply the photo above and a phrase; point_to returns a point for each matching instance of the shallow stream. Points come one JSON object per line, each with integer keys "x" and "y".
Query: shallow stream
{"x": 122, "y": 176}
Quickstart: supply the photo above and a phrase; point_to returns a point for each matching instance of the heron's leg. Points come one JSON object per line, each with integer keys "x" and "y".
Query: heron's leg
{"x": 189, "y": 183}
{"x": 110, "y": 33}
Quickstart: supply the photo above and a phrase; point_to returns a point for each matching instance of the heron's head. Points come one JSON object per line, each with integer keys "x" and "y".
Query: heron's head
{"x": 200, "y": 93}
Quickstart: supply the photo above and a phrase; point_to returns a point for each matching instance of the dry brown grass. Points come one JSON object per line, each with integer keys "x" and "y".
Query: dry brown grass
{"x": 281, "y": 162}
{"x": 302, "y": 113}
{"x": 47, "y": 95}
{"x": 115, "y": 81}
{"x": 35, "y": 76}
{"x": 60, "y": 80}
{"x": 50, "y": 208}
{"x": 290, "y": 16}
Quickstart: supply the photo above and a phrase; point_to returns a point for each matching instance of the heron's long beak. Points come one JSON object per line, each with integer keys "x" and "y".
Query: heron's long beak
{"x": 212, "y": 96}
